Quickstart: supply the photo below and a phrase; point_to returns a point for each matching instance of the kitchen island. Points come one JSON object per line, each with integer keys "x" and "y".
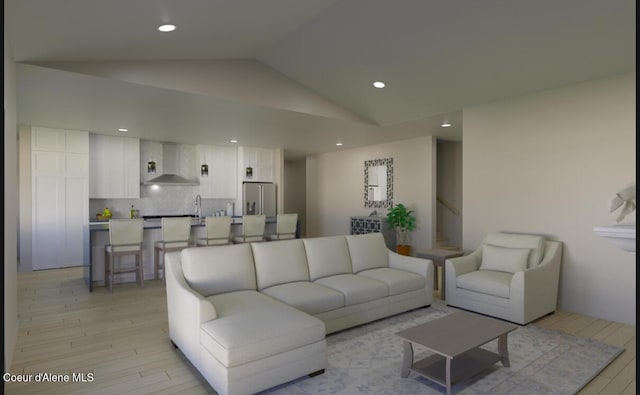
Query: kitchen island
{"x": 99, "y": 238}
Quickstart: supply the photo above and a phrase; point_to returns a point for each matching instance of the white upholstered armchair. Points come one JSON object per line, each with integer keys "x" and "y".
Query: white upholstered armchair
{"x": 514, "y": 277}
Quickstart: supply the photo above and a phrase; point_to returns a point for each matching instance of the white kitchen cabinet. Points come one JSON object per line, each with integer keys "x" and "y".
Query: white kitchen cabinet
{"x": 259, "y": 160}
{"x": 221, "y": 183}
{"x": 60, "y": 197}
{"x": 59, "y": 140}
{"x": 114, "y": 167}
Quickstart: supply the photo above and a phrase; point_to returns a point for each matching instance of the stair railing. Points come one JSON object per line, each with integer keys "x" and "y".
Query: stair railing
{"x": 448, "y": 205}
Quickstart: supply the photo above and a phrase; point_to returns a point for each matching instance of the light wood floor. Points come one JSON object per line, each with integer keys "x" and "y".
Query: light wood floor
{"x": 122, "y": 338}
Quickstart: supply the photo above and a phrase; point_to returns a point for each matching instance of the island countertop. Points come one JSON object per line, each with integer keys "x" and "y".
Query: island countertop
{"x": 156, "y": 223}
{"x": 99, "y": 238}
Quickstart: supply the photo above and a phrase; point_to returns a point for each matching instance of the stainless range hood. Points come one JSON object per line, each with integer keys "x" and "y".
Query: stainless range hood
{"x": 169, "y": 167}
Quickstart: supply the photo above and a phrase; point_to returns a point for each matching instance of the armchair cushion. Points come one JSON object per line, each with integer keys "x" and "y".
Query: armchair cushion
{"x": 501, "y": 259}
{"x": 486, "y": 282}
{"x": 512, "y": 240}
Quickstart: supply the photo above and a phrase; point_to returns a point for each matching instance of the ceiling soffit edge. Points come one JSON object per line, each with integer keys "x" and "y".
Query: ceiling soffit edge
{"x": 240, "y": 80}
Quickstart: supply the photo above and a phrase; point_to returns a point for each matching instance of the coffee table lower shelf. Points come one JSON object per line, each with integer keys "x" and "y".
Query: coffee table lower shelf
{"x": 463, "y": 366}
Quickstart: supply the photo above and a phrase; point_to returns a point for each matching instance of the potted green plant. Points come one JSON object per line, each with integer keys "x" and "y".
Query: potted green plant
{"x": 403, "y": 222}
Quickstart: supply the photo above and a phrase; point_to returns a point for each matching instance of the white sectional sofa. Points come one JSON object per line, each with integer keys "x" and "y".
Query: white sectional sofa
{"x": 252, "y": 316}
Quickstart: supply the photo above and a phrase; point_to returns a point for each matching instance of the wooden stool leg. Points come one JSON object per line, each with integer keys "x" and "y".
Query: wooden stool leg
{"x": 139, "y": 261}
{"x": 137, "y": 268}
{"x": 112, "y": 259}
{"x": 106, "y": 269}
{"x": 156, "y": 261}
{"x": 164, "y": 271}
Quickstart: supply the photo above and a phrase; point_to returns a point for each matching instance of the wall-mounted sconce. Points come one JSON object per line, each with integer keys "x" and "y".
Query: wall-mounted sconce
{"x": 204, "y": 170}
{"x": 249, "y": 172}
{"x": 151, "y": 167}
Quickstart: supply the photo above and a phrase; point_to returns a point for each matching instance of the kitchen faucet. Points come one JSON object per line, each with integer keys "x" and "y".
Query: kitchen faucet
{"x": 199, "y": 206}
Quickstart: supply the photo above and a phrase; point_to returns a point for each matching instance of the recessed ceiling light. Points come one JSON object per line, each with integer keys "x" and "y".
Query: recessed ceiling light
{"x": 233, "y": 141}
{"x": 167, "y": 28}
{"x": 123, "y": 130}
{"x": 445, "y": 124}
{"x": 339, "y": 144}
{"x": 379, "y": 84}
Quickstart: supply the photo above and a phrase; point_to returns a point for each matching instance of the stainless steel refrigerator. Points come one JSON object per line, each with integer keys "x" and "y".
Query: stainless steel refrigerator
{"x": 259, "y": 198}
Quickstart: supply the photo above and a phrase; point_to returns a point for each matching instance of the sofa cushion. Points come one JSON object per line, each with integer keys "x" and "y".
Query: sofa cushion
{"x": 486, "y": 282}
{"x": 230, "y": 268}
{"x": 309, "y": 297}
{"x": 280, "y": 262}
{"x": 327, "y": 256}
{"x": 501, "y": 259}
{"x": 398, "y": 281}
{"x": 356, "y": 289}
{"x": 510, "y": 240}
{"x": 251, "y": 326}
{"x": 367, "y": 251}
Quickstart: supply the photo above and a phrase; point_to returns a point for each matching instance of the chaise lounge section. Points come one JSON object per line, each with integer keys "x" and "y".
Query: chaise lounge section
{"x": 253, "y": 316}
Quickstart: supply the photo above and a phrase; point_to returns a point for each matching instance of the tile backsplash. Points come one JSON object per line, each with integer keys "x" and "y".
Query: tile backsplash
{"x": 159, "y": 200}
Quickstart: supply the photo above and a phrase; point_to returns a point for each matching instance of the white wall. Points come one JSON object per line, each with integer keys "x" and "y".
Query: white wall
{"x": 335, "y": 187}
{"x": 549, "y": 163}
{"x": 25, "y": 202}
{"x": 10, "y": 248}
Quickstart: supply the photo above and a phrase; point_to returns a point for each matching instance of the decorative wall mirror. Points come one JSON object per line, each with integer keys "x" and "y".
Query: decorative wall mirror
{"x": 378, "y": 183}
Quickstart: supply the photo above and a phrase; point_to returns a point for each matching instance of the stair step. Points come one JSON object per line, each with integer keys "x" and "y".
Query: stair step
{"x": 442, "y": 242}
{"x": 446, "y": 247}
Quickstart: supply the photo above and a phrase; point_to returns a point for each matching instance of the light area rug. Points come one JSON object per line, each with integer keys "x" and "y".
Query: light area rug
{"x": 367, "y": 360}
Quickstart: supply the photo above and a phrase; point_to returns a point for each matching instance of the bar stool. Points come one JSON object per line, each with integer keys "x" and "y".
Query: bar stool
{"x": 252, "y": 229}
{"x": 125, "y": 238}
{"x": 285, "y": 227}
{"x": 175, "y": 237}
{"x": 218, "y": 230}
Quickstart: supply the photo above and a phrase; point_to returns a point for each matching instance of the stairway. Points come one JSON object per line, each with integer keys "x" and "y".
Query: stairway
{"x": 442, "y": 242}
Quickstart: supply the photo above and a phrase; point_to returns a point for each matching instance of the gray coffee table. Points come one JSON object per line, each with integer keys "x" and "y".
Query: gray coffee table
{"x": 455, "y": 339}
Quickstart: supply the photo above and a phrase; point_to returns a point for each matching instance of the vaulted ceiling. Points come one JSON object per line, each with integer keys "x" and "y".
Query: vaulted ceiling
{"x": 298, "y": 74}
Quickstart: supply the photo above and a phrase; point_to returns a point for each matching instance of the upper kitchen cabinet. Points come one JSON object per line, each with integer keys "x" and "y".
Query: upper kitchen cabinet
{"x": 217, "y": 169}
{"x": 113, "y": 165}
{"x": 58, "y": 140}
{"x": 256, "y": 164}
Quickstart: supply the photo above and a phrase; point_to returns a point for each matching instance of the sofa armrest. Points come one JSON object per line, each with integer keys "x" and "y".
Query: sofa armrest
{"x": 537, "y": 288}
{"x": 186, "y": 308}
{"x": 421, "y": 266}
{"x": 455, "y": 267}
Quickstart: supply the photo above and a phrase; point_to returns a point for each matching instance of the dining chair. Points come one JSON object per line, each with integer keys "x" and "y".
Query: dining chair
{"x": 286, "y": 225}
{"x": 125, "y": 238}
{"x": 175, "y": 237}
{"x": 218, "y": 231}
{"x": 252, "y": 229}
